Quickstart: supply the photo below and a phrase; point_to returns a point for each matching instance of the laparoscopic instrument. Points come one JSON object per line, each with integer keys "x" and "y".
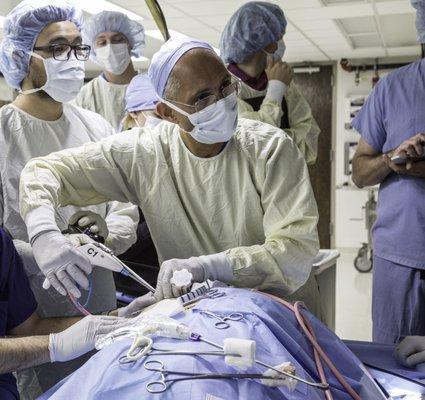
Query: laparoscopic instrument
{"x": 143, "y": 347}
{"x": 160, "y": 385}
{"x": 102, "y": 256}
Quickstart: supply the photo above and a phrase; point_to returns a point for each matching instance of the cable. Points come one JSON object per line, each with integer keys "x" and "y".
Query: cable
{"x": 82, "y": 307}
{"x": 318, "y": 351}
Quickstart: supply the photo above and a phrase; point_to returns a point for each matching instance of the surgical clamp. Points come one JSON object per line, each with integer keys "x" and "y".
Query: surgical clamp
{"x": 221, "y": 323}
{"x": 160, "y": 385}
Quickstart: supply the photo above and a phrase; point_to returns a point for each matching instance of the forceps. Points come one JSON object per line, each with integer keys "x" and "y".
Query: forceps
{"x": 221, "y": 323}
{"x": 160, "y": 385}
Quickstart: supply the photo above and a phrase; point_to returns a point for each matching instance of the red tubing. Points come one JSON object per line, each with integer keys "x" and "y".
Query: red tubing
{"x": 318, "y": 351}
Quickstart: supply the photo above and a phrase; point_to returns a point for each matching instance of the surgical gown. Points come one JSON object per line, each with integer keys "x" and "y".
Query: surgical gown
{"x": 303, "y": 127}
{"x": 104, "y": 98}
{"x": 253, "y": 200}
{"x": 23, "y": 137}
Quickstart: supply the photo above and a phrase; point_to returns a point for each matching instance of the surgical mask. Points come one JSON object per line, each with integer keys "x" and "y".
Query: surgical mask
{"x": 64, "y": 78}
{"x": 280, "y": 51}
{"x": 151, "y": 122}
{"x": 215, "y": 123}
{"x": 113, "y": 58}
{"x": 281, "y": 48}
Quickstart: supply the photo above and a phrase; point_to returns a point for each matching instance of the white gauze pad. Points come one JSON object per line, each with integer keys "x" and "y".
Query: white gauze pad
{"x": 240, "y": 353}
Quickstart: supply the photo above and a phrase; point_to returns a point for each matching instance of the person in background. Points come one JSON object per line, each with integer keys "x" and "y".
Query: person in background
{"x": 392, "y": 124}
{"x": 252, "y": 45}
{"x": 226, "y": 200}
{"x": 140, "y": 104}
{"x": 114, "y": 38}
{"x": 42, "y": 55}
{"x": 32, "y": 340}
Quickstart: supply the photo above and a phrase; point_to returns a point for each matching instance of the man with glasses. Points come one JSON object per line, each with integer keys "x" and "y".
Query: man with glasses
{"x": 223, "y": 199}
{"x": 42, "y": 56}
{"x": 114, "y": 38}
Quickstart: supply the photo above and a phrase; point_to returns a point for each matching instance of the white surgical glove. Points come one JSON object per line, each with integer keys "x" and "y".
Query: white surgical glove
{"x": 216, "y": 267}
{"x": 137, "y": 305}
{"x": 61, "y": 263}
{"x": 410, "y": 351}
{"x": 87, "y": 218}
{"x": 80, "y": 338}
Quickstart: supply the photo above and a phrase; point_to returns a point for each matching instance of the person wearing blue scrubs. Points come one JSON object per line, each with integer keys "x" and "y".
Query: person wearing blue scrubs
{"x": 29, "y": 341}
{"x": 392, "y": 123}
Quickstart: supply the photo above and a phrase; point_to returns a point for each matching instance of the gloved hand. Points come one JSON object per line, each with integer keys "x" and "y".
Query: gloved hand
{"x": 80, "y": 338}
{"x": 61, "y": 263}
{"x": 214, "y": 266}
{"x": 90, "y": 219}
{"x": 410, "y": 351}
{"x": 137, "y": 305}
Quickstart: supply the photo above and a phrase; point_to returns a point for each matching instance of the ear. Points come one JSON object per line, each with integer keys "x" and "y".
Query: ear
{"x": 166, "y": 113}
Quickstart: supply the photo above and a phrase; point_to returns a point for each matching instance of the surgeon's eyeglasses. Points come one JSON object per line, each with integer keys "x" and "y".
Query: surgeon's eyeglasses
{"x": 200, "y": 104}
{"x": 62, "y": 52}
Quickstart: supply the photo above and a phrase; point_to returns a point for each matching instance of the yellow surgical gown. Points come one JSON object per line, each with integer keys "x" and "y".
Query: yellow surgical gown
{"x": 253, "y": 200}
{"x": 303, "y": 127}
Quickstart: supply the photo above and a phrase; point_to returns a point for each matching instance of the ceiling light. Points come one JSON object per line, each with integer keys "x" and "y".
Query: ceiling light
{"x": 95, "y": 6}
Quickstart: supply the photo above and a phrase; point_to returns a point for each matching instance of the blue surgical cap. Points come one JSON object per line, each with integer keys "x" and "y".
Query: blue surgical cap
{"x": 166, "y": 58}
{"x": 21, "y": 29}
{"x": 420, "y": 19}
{"x": 114, "y": 21}
{"x": 251, "y": 28}
{"x": 140, "y": 94}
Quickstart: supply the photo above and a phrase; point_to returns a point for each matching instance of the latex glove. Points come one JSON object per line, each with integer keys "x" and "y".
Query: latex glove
{"x": 279, "y": 70}
{"x": 214, "y": 267}
{"x": 410, "y": 351}
{"x": 61, "y": 263}
{"x": 85, "y": 219}
{"x": 81, "y": 337}
{"x": 137, "y": 305}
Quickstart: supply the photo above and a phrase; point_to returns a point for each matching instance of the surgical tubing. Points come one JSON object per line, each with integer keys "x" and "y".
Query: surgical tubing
{"x": 309, "y": 332}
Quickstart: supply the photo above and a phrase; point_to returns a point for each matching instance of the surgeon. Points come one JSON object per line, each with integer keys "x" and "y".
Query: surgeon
{"x": 140, "y": 104}
{"x": 252, "y": 45}
{"x": 392, "y": 124}
{"x": 32, "y": 340}
{"x": 114, "y": 38}
{"x": 224, "y": 199}
{"x": 42, "y": 56}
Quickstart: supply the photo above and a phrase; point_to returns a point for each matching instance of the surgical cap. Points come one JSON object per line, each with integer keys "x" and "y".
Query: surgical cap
{"x": 251, "y": 28}
{"x": 140, "y": 94}
{"x": 21, "y": 29}
{"x": 166, "y": 58}
{"x": 420, "y": 19}
{"x": 114, "y": 21}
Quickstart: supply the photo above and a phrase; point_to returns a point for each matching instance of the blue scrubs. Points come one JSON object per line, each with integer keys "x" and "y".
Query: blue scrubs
{"x": 393, "y": 113}
{"x": 17, "y": 302}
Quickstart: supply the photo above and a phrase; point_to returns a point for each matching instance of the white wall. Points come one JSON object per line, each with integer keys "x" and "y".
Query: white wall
{"x": 349, "y": 215}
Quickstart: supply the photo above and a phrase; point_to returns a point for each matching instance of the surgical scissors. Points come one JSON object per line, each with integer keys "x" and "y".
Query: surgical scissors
{"x": 221, "y": 323}
{"x": 160, "y": 385}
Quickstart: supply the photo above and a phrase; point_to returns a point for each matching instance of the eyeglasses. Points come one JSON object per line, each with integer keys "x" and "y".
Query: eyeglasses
{"x": 199, "y": 105}
{"x": 62, "y": 52}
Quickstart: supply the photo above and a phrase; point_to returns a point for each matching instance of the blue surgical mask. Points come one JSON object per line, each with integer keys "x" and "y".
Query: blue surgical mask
{"x": 278, "y": 54}
{"x": 281, "y": 48}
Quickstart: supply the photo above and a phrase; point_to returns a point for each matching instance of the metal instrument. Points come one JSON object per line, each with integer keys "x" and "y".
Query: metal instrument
{"x": 221, "y": 323}
{"x": 162, "y": 384}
